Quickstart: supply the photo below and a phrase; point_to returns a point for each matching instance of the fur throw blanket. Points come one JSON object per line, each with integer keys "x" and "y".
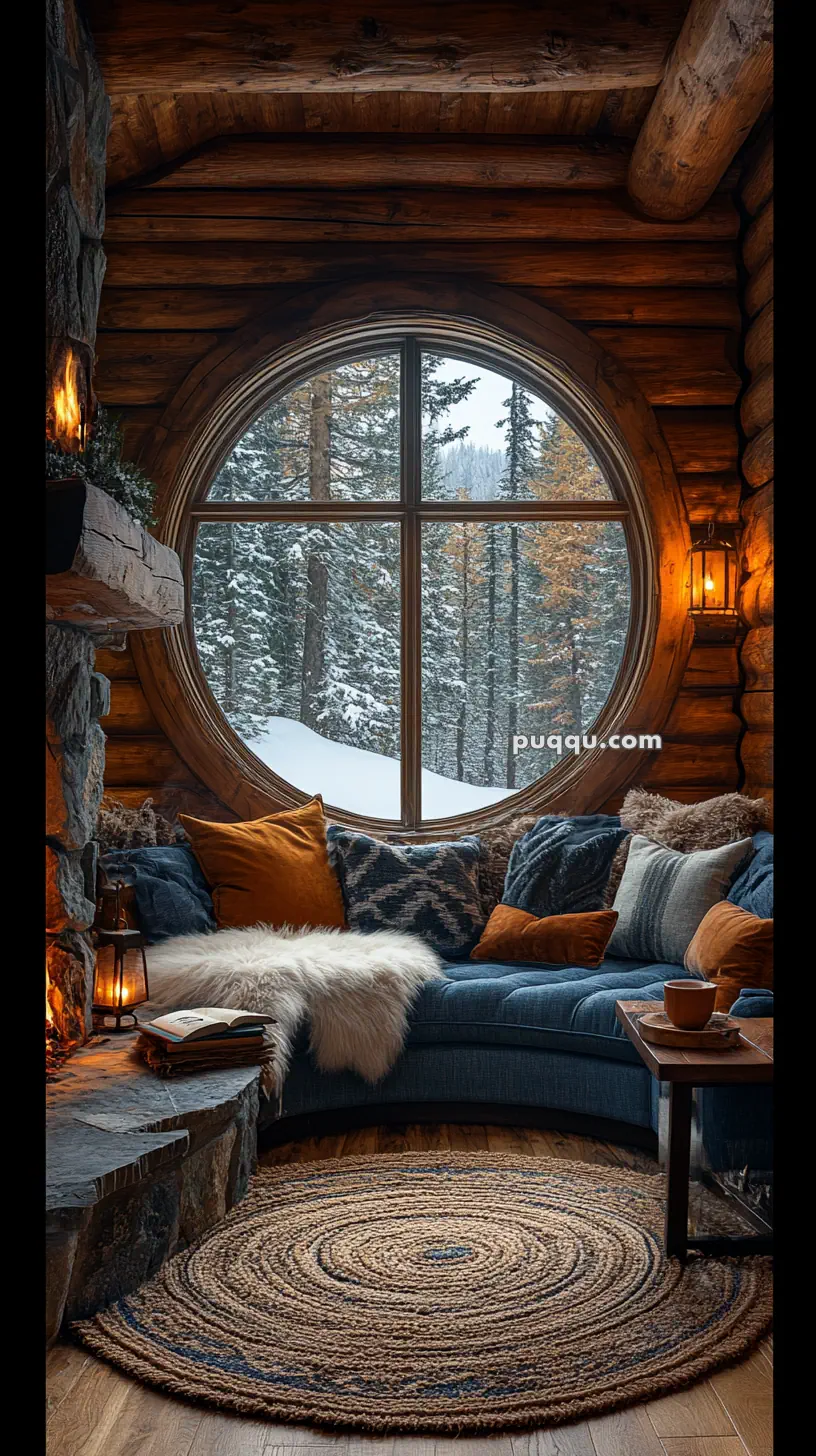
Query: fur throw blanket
{"x": 355, "y": 990}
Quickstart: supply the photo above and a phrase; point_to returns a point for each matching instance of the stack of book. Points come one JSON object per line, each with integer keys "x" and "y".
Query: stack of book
{"x": 205, "y": 1037}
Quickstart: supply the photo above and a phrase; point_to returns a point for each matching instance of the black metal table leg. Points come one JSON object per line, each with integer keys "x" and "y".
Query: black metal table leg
{"x": 677, "y": 1169}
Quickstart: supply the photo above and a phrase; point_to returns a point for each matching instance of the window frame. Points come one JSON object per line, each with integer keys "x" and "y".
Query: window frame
{"x": 410, "y": 512}
{"x": 501, "y": 330}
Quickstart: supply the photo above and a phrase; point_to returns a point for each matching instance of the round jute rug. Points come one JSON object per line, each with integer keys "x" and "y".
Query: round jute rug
{"x": 436, "y": 1292}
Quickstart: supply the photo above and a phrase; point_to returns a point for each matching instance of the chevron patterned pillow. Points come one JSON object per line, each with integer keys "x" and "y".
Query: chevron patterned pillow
{"x": 429, "y": 890}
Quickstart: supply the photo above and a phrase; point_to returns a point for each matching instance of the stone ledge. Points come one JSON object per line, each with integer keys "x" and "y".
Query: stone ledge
{"x": 137, "y": 1167}
{"x": 103, "y": 570}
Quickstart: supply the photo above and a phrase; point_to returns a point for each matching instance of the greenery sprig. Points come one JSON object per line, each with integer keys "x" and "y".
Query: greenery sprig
{"x": 101, "y": 464}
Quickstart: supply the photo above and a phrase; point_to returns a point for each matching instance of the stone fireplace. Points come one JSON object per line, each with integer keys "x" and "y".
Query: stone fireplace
{"x": 76, "y": 698}
{"x": 105, "y": 574}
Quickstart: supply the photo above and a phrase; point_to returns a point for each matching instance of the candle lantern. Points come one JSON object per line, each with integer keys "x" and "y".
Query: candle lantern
{"x": 713, "y": 572}
{"x": 120, "y": 978}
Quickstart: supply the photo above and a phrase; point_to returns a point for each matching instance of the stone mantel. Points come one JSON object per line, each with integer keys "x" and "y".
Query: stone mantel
{"x": 105, "y": 572}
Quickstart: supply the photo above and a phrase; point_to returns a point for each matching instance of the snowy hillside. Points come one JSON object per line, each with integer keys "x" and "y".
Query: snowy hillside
{"x": 356, "y": 779}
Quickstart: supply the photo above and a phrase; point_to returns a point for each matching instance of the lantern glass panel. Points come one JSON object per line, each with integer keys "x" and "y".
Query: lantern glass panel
{"x": 120, "y": 981}
{"x": 713, "y": 578}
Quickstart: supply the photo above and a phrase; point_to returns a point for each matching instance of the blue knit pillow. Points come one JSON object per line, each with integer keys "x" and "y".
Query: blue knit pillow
{"x": 752, "y": 889}
{"x": 562, "y": 866}
{"x": 172, "y": 896}
{"x": 428, "y": 890}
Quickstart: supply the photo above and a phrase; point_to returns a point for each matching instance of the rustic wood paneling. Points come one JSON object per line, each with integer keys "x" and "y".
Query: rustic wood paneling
{"x": 422, "y": 47}
{"x": 392, "y": 215}
{"x": 757, "y": 541}
{"x": 641, "y": 265}
{"x": 223, "y": 308}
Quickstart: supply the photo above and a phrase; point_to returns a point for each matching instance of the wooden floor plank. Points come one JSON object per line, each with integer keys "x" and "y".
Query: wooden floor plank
{"x": 625, "y": 1433}
{"x": 429, "y": 1137}
{"x": 64, "y": 1365}
{"x": 512, "y": 1140}
{"x": 468, "y": 1137}
{"x": 221, "y": 1434}
{"x": 393, "y": 1139}
{"x": 703, "y": 1446}
{"x": 746, "y": 1391}
{"x": 84, "y": 1423}
{"x": 563, "y": 1441}
{"x": 148, "y": 1424}
{"x": 359, "y": 1142}
{"x": 692, "y": 1412}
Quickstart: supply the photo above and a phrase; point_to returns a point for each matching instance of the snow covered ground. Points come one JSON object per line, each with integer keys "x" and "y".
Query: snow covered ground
{"x": 357, "y": 779}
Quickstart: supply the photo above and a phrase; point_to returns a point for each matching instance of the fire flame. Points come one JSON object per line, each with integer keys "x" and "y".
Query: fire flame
{"x": 69, "y": 425}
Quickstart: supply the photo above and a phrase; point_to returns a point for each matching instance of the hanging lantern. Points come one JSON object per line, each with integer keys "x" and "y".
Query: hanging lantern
{"x": 120, "y": 977}
{"x": 713, "y": 573}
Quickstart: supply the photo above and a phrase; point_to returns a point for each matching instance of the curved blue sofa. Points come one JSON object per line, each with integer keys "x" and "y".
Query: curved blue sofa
{"x": 546, "y": 1037}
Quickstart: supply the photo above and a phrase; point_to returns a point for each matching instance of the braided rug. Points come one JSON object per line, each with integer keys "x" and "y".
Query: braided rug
{"x": 436, "y": 1292}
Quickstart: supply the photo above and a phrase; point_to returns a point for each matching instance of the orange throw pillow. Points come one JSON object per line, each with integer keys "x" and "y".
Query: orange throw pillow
{"x": 273, "y": 871}
{"x": 734, "y": 949}
{"x": 563, "y": 940}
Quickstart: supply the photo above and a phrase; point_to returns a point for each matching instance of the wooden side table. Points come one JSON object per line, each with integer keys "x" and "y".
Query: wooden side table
{"x": 751, "y": 1062}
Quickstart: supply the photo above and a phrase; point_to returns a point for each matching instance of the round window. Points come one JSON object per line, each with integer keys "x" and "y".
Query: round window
{"x": 410, "y": 577}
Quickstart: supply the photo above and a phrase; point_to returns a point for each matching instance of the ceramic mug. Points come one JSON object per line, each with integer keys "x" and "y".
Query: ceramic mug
{"x": 689, "y": 1004}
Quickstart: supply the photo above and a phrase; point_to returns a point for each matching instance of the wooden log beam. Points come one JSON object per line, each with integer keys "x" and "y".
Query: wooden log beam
{"x": 463, "y": 45}
{"x": 676, "y": 366}
{"x": 757, "y": 408}
{"x": 136, "y": 265}
{"x": 671, "y": 366}
{"x": 758, "y": 458}
{"x": 230, "y": 308}
{"x": 760, "y": 288}
{"x": 700, "y": 441}
{"x": 464, "y": 215}
{"x": 758, "y": 242}
{"x": 759, "y": 340}
{"x": 757, "y": 182}
{"x": 369, "y": 159}
{"x": 141, "y": 368}
{"x": 713, "y": 497}
{"x": 717, "y": 81}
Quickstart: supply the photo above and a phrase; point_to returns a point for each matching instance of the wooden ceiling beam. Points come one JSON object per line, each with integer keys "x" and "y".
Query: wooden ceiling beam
{"x": 146, "y": 214}
{"x": 372, "y": 159}
{"x": 717, "y": 81}
{"x": 331, "y": 45}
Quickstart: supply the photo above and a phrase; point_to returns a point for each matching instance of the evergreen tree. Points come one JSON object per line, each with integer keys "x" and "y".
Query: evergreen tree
{"x": 520, "y": 433}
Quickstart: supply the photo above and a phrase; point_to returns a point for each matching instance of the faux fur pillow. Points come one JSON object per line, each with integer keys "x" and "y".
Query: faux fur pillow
{"x": 685, "y": 827}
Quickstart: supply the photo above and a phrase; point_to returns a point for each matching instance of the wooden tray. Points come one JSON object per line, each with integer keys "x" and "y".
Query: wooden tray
{"x": 719, "y": 1033}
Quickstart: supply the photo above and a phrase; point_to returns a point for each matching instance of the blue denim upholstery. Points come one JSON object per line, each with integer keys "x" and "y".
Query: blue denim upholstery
{"x": 538, "y": 1036}
{"x": 555, "y": 1008}
{"x": 511, "y": 1076}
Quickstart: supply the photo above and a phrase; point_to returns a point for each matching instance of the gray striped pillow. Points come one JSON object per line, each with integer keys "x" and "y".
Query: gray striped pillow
{"x": 664, "y": 895}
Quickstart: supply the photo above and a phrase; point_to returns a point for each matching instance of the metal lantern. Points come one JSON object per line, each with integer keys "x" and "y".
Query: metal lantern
{"x": 120, "y": 977}
{"x": 713, "y": 573}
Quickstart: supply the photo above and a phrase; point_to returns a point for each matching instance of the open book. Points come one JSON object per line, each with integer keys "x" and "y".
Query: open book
{"x": 203, "y": 1022}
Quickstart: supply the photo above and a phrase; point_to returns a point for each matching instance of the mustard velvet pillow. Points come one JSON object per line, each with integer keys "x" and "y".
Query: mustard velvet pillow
{"x": 734, "y": 949}
{"x": 563, "y": 940}
{"x": 272, "y": 871}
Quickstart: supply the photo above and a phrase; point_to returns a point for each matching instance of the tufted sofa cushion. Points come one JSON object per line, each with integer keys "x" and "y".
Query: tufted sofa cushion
{"x": 557, "y": 1008}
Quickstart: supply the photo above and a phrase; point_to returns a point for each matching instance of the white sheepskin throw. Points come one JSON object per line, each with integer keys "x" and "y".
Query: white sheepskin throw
{"x": 354, "y": 989}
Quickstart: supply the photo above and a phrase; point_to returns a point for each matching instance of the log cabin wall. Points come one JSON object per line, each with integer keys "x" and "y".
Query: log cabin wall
{"x": 756, "y": 414}
{"x": 201, "y": 246}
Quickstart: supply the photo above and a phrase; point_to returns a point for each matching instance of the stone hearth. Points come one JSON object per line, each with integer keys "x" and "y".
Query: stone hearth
{"x": 137, "y": 1168}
